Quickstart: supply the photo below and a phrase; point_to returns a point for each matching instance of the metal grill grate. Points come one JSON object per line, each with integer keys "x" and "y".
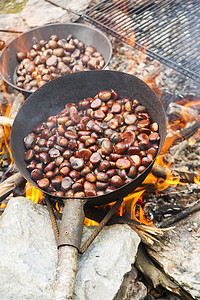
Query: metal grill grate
{"x": 168, "y": 30}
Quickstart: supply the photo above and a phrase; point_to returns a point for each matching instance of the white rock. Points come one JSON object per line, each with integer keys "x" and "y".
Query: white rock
{"x": 12, "y": 22}
{"x": 40, "y": 12}
{"x": 28, "y": 252}
{"x": 78, "y": 6}
{"x": 102, "y": 267}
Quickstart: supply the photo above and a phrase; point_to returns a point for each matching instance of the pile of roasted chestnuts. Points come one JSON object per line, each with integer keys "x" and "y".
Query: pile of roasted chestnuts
{"x": 93, "y": 147}
{"x": 47, "y": 60}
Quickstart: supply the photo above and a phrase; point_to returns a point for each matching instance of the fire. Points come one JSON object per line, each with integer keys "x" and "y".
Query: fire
{"x": 194, "y": 138}
{"x": 88, "y": 222}
{"x": 137, "y": 62}
{"x": 5, "y": 132}
{"x": 135, "y": 199}
{"x": 33, "y": 194}
{"x": 197, "y": 179}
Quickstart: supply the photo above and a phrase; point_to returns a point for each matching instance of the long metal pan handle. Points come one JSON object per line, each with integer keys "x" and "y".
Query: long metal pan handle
{"x": 68, "y": 244}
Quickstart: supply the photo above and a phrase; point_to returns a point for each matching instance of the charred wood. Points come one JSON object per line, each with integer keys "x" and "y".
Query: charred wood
{"x": 183, "y": 214}
{"x": 181, "y": 135}
{"x": 175, "y": 110}
{"x": 163, "y": 172}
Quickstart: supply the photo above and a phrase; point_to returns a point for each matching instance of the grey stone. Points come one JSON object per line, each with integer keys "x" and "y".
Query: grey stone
{"x": 12, "y": 22}
{"x": 78, "y": 6}
{"x": 29, "y": 255}
{"x": 131, "y": 288}
{"x": 102, "y": 267}
{"x": 28, "y": 252}
{"x": 178, "y": 254}
{"x": 40, "y": 12}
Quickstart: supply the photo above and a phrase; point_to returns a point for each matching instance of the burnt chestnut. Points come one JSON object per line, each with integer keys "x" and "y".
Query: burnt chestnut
{"x": 44, "y": 157}
{"x": 85, "y": 154}
{"x": 74, "y": 174}
{"x": 132, "y": 172}
{"x": 56, "y": 181}
{"x": 101, "y": 176}
{"x": 104, "y": 95}
{"x": 104, "y": 166}
{"x": 106, "y": 147}
{"x": 49, "y": 167}
{"x": 116, "y": 108}
{"x": 120, "y": 148}
{"x": 64, "y": 171}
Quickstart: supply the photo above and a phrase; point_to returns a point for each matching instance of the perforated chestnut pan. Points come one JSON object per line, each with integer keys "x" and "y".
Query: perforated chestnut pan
{"x": 50, "y": 99}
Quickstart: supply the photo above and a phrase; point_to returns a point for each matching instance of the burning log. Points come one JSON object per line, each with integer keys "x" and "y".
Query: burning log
{"x": 176, "y": 111}
{"x": 163, "y": 172}
{"x": 179, "y": 136}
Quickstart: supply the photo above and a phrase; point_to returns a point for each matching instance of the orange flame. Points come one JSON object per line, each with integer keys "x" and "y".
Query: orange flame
{"x": 89, "y": 222}
{"x": 197, "y": 179}
{"x": 194, "y": 138}
{"x": 7, "y": 129}
{"x": 33, "y": 194}
{"x": 135, "y": 199}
